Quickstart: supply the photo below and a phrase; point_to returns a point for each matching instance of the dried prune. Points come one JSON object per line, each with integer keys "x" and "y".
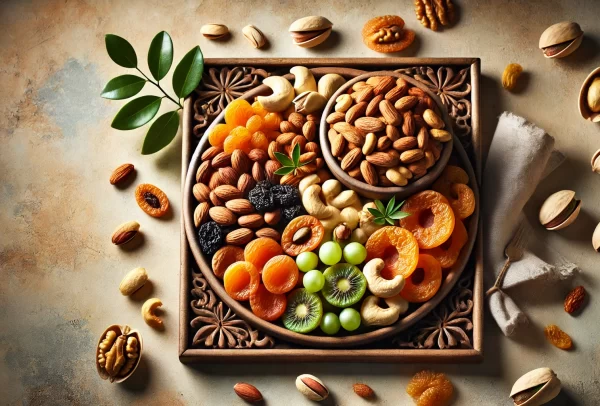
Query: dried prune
{"x": 285, "y": 195}
{"x": 261, "y": 198}
{"x": 290, "y": 213}
{"x": 211, "y": 237}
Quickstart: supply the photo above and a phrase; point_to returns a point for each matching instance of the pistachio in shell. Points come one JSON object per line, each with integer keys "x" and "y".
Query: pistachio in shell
{"x": 119, "y": 331}
{"x": 308, "y": 32}
{"x": 214, "y": 31}
{"x": 559, "y": 210}
{"x": 596, "y": 162}
{"x": 561, "y": 39}
{"x": 596, "y": 238}
{"x": 535, "y": 388}
{"x": 589, "y": 97}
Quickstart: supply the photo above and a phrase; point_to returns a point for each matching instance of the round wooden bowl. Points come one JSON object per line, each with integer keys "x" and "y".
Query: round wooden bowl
{"x": 363, "y": 335}
{"x": 383, "y": 192}
{"x": 584, "y": 109}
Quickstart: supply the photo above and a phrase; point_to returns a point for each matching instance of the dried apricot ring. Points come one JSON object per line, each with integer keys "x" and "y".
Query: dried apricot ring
{"x": 280, "y": 274}
{"x": 302, "y": 234}
{"x": 447, "y": 253}
{"x": 462, "y": 200}
{"x": 238, "y": 112}
{"x": 397, "y": 247}
{"x": 241, "y": 280}
{"x": 431, "y": 219}
{"x": 259, "y": 251}
{"x": 424, "y": 283}
{"x": 452, "y": 174}
{"x": 266, "y": 305}
{"x": 224, "y": 257}
{"x": 428, "y": 388}
{"x": 557, "y": 337}
{"x": 152, "y": 200}
{"x": 387, "y": 34}
{"x": 218, "y": 134}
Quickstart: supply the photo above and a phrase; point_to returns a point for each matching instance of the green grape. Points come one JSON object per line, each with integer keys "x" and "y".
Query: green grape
{"x": 330, "y": 253}
{"x": 313, "y": 281}
{"x": 307, "y": 261}
{"x": 350, "y": 319}
{"x": 355, "y": 253}
{"x": 330, "y": 323}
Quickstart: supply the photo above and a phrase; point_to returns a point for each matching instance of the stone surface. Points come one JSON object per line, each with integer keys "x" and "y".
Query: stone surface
{"x": 61, "y": 272}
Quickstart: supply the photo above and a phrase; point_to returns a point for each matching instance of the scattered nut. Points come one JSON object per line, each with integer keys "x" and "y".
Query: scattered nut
{"x": 254, "y": 36}
{"x": 125, "y": 232}
{"x": 132, "y": 281}
{"x": 214, "y": 31}
{"x": 433, "y": 12}
{"x": 364, "y": 391}
{"x": 312, "y": 387}
{"x": 120, "y": 173}
{"x": 559, "y": 210}
{"x": 596, "y": 238}
{"x": 561, "y": 39}
{"x": 150, "y": 318}
{"x": 247, "y": 392}
{"x": 535, "y": 387}
{"x": 310, "y": 31}
{"x": 118, "y": 353}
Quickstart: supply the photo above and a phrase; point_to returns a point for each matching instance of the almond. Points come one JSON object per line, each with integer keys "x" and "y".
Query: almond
{"x": 373, "y": 80}
{"x": 270, "y": 168}
{"x": 389, "y": 112}
{"x": 440, "y": 135}
{"x": 228, "y": 192}
{"x": 298, "y": 140}
{"x": 384, "y": 181}
{"x": 221, "y": 160}
{"x": 268, "y": 233}
{"x": 392, "y": 132}
{"x": 373, "y": 106}
{"x": 429, "y": 159}
{"x": 313, "y": 117}
{"x": 273, "y": 147}
{"x": 415, "y": 91}
{"x": 396, "y": 93}
{"x": 361, "y": 85}
{"x": 297, "y": 120}
{"x": 369, "y": 173}
{"x": 201, "y": 213}
{"x": 308, "y": 157}
{"x": 214, "y": 181}
{"x": 335, "y": 117}
{"x": 406, "y": 103}
{"x": 338, "y": 145}
{"x": 287, "y": 127}
{"x": 370, "y": 144}
{"x": 120, "y": 173}
{"x": 433, "y": 120}
{"x": 240, "y": 161}
{"x": 241, "y": 236}
{"x": 312, "y": 147}
{"x": 258, "y": 173}
{"x": 309, "y": 130}
{"x": 423, "y": 138}
{"x": 419, "y": 121}
{"x": 383, "y": 159}
{"x": 286, "y": 138}
{"x": 350, "y": 133}
{"x": 418, "y": 168}
{"x": 229, "y": 176}
{"x": 408, "y": 126}
{"x": 369, "y": 124}
{"x": 222, "y": 215}
{"x": 201, "y": 192}
{"x": 272, "y": 218}
{"x": 331, "y": 134}
{"x": 245, "y": 183}
{"x": 214, "y": 199}
{"x": 405, "y": 143}
{"x": 290, "y": 179}
{"x": 125, "y": 232}
{"x": 362, "y": 390}
{"x": 412, "y": 155}
{"x": 351, "y": 159}
{"x": 385, "y": 84}
{"x": 383, "y": 143}
{"x": 210, "y": 153}
{"x": 312, "y": 387}
{"x": 258, "y": 155}
{"x": 247, "y": 392}
{"x": 364, "y": 95}
{"x": 203, "y": 173}
{"x": 251, "y": 220}
{"x": 354, "y": 112}
{"x": 240, "y": 206}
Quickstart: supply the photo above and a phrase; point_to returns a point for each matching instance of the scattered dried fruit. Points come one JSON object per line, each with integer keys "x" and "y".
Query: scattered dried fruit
{"x": 387, "y": 34}
{"x": 152, "y": 200}
{"x": 428, "y": 388}
{"x": 510, "y": 75}
{"x": 574, "y": 299}
{"x": 557, "y": 337}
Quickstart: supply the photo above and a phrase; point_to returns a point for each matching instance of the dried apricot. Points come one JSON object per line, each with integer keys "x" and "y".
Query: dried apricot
{"x": 259, "y": 109}
{"x": 428, "y": 388}
{"x": 259, "y": 251}
{"x": 259, "y": 141}
{"x": 451, "y": 174}
{"x": 272, "y": 121}
{"x": 424, "y": 283}
{"x": 272, "y": 134}
{"x": 218, "y": 134}
{"x": 241, "y": 280}
{"x": 387, "y": 34}
{"x": 152, "y": 200}
{"x": 397, "y": 247}
{"x": 224, "y": 257}
{"x": 255, "y": 123}
{"x": 280, "y": 274}
{"x": 239, "y": 138}
{"x": 557, "y": 337}
{"x": 266, "y": 305}
{"x": 447, "y": 253}
{"x": 431, "y": 219}
{"x": 462, "y": 200}
{"x": 238, "y": 112}
{"x": 290, "y": 239}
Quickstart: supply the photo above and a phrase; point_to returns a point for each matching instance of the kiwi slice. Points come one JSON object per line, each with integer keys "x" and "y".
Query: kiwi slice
{"x": 303, "y": 312}
{"x": 344, "y": 286}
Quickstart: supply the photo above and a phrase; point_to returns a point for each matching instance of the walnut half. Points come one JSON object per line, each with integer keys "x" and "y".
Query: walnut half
{"x": 431, "y": 13}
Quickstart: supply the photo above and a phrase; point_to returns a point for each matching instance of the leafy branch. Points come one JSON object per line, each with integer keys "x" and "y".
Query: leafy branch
{"x": 140, "y": 111}
{"x": 388, "y": 214}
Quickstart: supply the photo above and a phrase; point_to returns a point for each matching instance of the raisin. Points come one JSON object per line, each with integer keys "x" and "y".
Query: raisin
{"x": 211, "y": 237}
{"x": 261, "y": 198}
{"x": 285, "y": 195}
{"x": 151, "y": 200}
{"x": 290, "y": 213}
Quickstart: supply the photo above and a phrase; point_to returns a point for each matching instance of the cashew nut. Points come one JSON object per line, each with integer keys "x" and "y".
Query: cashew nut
{"x": 311, "y": 200}
{"x": 378, "y": 285}
{"x": 374, "y": 315}
{"x": 332, "y": 221}
{"x": 148, "y": 309}
{"x": 350, "y": 217}
{"x": 283, "y": 94}
{"x": 308, "y": 181}
{"x": 335, "y": 196}
{"x": 366, "y": 219}
{"x": 304, "y": 80}
{"x": 329, "y": 84}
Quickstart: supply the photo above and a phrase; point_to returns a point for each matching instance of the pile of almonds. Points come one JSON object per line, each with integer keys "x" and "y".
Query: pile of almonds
{"x": 386, "y": 132}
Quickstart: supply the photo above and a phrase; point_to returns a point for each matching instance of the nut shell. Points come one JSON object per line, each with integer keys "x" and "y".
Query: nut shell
{"x": 214, "y": 31}
{"x": 584, "y": 108}
{"x": 119, "y": 330}
{"x": 559, "y": 210}
{"x": 560, "y": 33}
{"x": 534, "y": 378}
{"x": 596, "y": 162}
{"x": 596, "y": 238}
{"x": 254, "y": 36}
{"x": 312, "y": 387}
{"x": 318, "y": 25}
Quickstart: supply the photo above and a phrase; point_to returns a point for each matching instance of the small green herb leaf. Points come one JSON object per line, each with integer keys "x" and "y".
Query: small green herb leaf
{"x": 390, "y": 221}
{"x": 136, "y": 113}
{"x": 123, "y": 87}
{"x": 188, "y": 73}
{"x": 389, "y": 209}
{"x": 120, "y": 51}
{"x": 374, "y": 212}
{"x": 284, "y": 159}
{"x": 284, "y": 170}
{"x": 161, "y": 133}
{"x": 399, "y": 215}
{"x": 296, "y": 155}
{"x": 379, "y": 221}
{"x": 160, "y": 55}
{"x": 380, "y": 207}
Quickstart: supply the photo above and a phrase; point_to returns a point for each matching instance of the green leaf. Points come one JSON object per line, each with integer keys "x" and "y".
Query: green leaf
{"x": 399, "y": 215}
{"x": 296, "y": 155}
{"x": 284, "y": 170}
{"x": 188, "y": 73}
{"x": 379, "y": 222}
{"x": 120, "y": 51}
{"x": 374, "y": 212}
{"x": 380, "y": 206}
{"x": 284, "y": 159}
{"x": 390, "y": 206}
{"x": 161, "y": 133}
{"x": 123, "y": 87}
{"x": 390, "y": 221}
{"x": 136, "y": 113}
{"x": 160, "y": 55}
{"x": 398, "y": 206}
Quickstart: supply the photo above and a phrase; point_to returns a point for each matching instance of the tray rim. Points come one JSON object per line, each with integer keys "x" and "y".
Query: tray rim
{"x": 190, "y": 355}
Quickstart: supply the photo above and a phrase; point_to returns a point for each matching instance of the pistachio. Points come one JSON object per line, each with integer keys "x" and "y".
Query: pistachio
{"x": 560, "y": 40}
{"x": 310, "y": 31}
{"x": 593, "y": 96}
{"x": 589, "y": 97}
{"x": 596, "y": 238}
{"x": 309, "y": 102}
{"x": 214, "y": 31}
{"x": 559, "y": 210}
{"x": 125, "y": 232}
{"x": 535, "y": 387}
{"x": 312, "y": 387}
{"x": 596, "y": 162}
{"x": 254, "y": 36}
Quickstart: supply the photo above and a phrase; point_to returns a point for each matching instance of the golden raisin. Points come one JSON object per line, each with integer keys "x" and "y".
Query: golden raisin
{"x": 152, "y": 200}
{"x": 510, "y": 75}
{"x": 428, "y": 388}
{"x": 557, "y": 337}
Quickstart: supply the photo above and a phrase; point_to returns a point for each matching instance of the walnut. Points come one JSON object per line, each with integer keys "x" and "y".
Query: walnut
{"x": 433, "y": 12}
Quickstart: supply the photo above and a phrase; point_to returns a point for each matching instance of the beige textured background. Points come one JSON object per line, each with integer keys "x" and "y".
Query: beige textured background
{"x": 60, "y": 272}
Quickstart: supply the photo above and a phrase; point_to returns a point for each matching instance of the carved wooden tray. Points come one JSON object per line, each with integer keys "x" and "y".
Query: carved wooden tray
{"x": 209, "y": 330}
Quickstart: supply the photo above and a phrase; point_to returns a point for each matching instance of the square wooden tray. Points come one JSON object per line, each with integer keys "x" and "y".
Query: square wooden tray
{"x": 257, "y": 347}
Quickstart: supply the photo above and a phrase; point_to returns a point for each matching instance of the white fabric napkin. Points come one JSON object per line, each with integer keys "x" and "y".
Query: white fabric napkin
{"x": 521, "y": 154}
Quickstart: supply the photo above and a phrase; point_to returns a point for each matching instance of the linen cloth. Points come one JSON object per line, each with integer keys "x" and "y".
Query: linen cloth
{"x": 521, "y": 154}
